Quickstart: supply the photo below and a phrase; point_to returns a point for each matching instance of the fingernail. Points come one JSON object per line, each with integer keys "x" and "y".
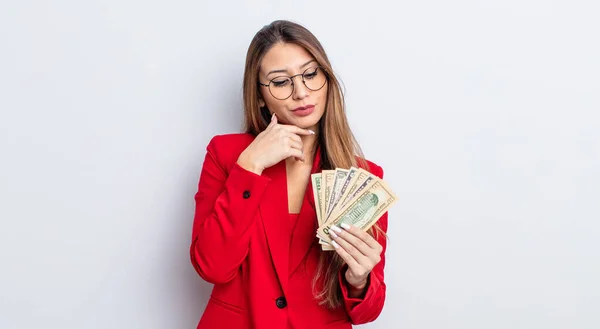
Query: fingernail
{"x": 345, "y": 226}
{"x": 332, "y": 233}
{"x": 273, "y": 116}
{"x": 335, "y": 228}
{"x": 310, "y": 131}
{"x": 335, "y": 244}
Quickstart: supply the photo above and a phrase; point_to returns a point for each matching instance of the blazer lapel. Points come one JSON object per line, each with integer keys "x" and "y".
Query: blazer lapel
{"x": 287, "y": 252}
{"x": 274, "y": 213}
{"x": 305, "y": 229}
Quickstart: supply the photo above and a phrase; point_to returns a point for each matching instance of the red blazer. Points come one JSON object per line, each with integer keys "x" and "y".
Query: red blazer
{"x": 261, "y": 267}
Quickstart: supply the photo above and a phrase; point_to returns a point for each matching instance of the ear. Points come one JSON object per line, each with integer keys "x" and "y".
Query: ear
{"x": 261, "y": 102}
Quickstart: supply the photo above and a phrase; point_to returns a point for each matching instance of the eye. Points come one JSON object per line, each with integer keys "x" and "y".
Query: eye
{"x": 311, "y": 74}
{"x": 281, "y": 82}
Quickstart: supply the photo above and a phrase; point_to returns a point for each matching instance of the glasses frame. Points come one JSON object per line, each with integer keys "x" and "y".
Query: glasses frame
{"x": 294, "y": 85}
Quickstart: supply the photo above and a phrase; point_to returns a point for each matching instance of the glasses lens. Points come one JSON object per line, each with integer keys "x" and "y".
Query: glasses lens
{"x": 314, "y": 78}
{"x": 281, "y": 87}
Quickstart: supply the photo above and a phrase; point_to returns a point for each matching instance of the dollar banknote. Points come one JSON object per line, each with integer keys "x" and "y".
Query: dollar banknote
{"x": 339, "y": 177}
{"x": 364, "y": 181}
{"x": 344, "y": 188}
{"x": 353, "y": 196}
{"x": 363, "y": 210}
{"x": 317, "y": 186}
{"x": 327, "y": 181}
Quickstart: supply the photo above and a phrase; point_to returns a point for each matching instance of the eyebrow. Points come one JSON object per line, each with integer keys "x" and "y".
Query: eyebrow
{"x": 285, "y": 71}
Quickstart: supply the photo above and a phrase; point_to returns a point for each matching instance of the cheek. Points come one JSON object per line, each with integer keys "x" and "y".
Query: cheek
{"x": 269, "y": 101}
{"x": 322, "y": 98}
{"x": 275, "y": 105}
{"x": 322, "y": 93}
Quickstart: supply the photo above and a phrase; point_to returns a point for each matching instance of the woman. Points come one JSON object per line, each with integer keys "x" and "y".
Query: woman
{"x": 255, "y": 221}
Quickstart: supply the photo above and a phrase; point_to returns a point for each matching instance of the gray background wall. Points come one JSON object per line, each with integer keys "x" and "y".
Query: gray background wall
{"x": 484, "y": 114}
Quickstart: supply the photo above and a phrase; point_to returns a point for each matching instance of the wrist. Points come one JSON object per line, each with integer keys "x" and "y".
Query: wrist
{"x": 357, "y": 291}
{"x": 244, "y": 162}
{"x": 358, "y": 286}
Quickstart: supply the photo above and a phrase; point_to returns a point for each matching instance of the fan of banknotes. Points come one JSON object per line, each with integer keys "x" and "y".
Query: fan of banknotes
{"x": 353, "y": 196}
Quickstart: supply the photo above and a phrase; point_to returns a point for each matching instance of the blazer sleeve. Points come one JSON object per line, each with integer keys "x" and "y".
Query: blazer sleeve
{"x": 367, "y": 309}
{"x": 226, "y": 204}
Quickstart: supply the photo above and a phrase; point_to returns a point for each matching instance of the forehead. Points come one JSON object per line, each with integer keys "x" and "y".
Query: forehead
{"x": 285, "y": 56}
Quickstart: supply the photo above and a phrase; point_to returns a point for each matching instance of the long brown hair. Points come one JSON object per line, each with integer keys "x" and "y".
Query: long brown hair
{"x": 338, "y": 146}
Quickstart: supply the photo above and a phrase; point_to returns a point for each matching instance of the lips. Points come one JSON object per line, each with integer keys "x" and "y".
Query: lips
{"x": 301, "y": 108}
{"x": 303, "y": 111}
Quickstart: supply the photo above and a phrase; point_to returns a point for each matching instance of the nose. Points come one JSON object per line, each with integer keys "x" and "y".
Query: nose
{"x": 300, "y": 90}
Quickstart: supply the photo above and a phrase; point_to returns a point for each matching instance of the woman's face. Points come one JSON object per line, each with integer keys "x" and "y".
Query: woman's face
{"x": 304, "y": 107}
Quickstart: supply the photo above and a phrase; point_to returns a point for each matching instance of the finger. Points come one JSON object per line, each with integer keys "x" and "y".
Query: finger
{"x": 364, "y": 236}
{"x": 360, "y": 258}
{"x": 296, "y": 144}
{"x": 273, "y": 121}
{"x": 342, "y": 236}
{"x": 295, "y": 137}
{"x": 297, "y": 130}
{"x": 294, "y": 140}
{"x": 352, "y": 263}
{"x": 293, "y": 152}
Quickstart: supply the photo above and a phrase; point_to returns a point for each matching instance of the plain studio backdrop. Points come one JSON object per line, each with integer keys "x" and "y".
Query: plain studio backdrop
{"x": 484, "y": 114}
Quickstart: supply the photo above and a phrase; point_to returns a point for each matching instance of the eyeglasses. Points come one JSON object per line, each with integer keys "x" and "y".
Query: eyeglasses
{"x": 282, "y": 87}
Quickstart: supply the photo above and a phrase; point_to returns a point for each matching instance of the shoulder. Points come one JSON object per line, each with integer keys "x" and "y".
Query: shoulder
{"x": 370, "y": 166}
{"x": 226, "y": 148}
{"x": 231, "y": 140}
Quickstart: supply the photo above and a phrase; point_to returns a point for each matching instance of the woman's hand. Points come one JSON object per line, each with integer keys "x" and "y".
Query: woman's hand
{"x": 359, "y": 250}
{"x": 272, "y": 145}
